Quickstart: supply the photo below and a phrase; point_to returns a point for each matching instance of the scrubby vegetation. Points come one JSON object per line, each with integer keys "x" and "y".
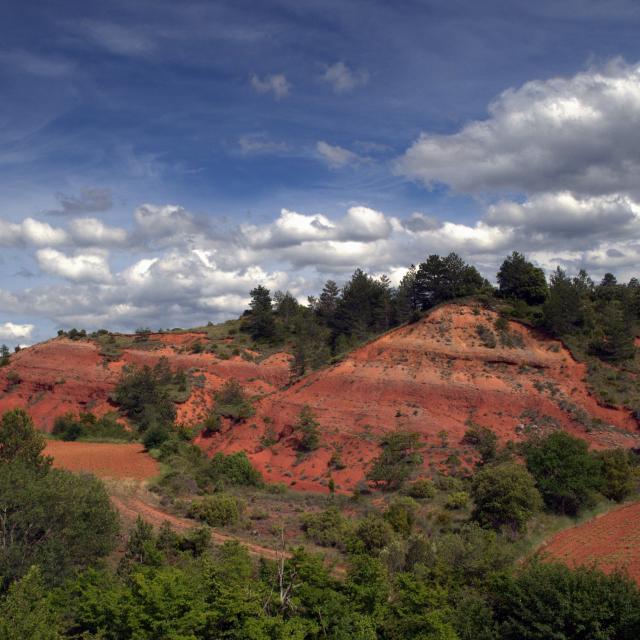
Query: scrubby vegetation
{"x": 87, "y": 426}
{"x": 438, "y": 562}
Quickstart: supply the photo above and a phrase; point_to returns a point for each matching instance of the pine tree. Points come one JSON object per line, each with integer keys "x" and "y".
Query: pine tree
{"x": 261, "y": 322}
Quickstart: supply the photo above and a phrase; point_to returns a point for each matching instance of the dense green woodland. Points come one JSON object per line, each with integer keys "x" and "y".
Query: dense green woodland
{"x": 66, "y": 571}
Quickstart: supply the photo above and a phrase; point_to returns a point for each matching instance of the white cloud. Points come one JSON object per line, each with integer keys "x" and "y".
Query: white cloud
{"x": 564, "y": 215}
{"x": 276, "y": 84}
{"x": 154, "y": 220}
{"x": 342, "y": 78}
{"x": 83, "y": 267}
{"x": 335, "y": 156}
{"x": 93, "y": 232}
{"x": 10, "y": 331}
{"x": 579, "y": 134}
{"x": 32, "y": 232}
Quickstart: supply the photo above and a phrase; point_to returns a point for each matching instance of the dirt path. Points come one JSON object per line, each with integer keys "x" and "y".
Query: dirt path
{"x": 610, "y": 541}
{"x": 132, "y": 506}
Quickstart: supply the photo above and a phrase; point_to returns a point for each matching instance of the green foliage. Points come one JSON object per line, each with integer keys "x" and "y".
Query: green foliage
{"x": 260, "y": 323}
{"x": 566, "y": 474}
{"x": 457, "y": 500}
{"x": 52, "y": 518}
{"x": 234, "y": 469}
{"x": 505, "y": 496}
{"x": 487, "y": 337}
{"x": 401, "y": 514}
{"x": 484, "y": 441}
{"x": 444, "y": 278}
{"x": 520, "y": 279}
{"x": 421, "y": 489}
{"x": 400, "y": 456}
{"x": 327, "y": 528}
{"x": 374, "y": 533}
{"x": 218, "y": 510}
{"x": 619, "y": 473}
{"x": 145, "y": 395}
{"x": 19, "y": 440}
{"x": 87, "y": 426}
{"x": 232, "y": 402}
{"x": 544, "y": 601}
{"x": 28, "y": 613}
{"x": 5, "y": 355}
{"x": 307, "y": 429}
{"x": 614, "y": 337}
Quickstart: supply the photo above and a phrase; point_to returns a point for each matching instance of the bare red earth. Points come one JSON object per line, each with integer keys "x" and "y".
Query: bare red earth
{"x": 64, "y": 375}
{"x": 105, "y": 460}
{"x": 431, "y": 376}
{"x": 610, "y": 542}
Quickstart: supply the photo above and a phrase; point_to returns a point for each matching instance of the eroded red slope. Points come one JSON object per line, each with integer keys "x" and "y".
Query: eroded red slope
{"x": 430, "y": 377}
{"x": 64, "y": 375}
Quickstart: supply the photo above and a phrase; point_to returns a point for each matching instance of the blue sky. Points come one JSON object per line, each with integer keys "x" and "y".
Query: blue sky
{"x": 157, "y": 158}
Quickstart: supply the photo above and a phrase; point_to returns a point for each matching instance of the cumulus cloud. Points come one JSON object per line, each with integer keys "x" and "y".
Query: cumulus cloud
{"x": 10, "y": 331}
{"x": 578, "y": 134}
{"x": 31, "y": 232}
{"x": 563, "y": 215}
{"x": 335, "y": 156}
{"x": 276, "y": 84}
{"x": 164, "y": 220}
{"x": 82, "y": 267}
{"x": 343, "y": 79}
{"x": 293, "y": 228}
{"x": 90, "y": 200}
{"x": 94, "y": 232}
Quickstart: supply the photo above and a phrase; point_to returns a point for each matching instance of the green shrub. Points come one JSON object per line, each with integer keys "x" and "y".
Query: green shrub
{"x": 218, "y": 510}
{"x": 566, "y": 474}
{"x": 421, "y": 489}
{"x": 234, "y": 469}
{"x": 327, "y": 528}
{"x": 401, "y": 514}
{"x": 87, "y": 426}
{"x": 232, "y": 402}
{"x": 399, "y": 458}
{"x": 505, "y": 495}
{"x": 307, "y": 429}
{"x": 487, "y": 337}
{"x": 619, "y": 474}
{"x": 374, "y": 533}
{"x": 457, "y": 500}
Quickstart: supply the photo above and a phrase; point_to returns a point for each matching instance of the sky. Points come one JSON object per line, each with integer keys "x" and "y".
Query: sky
{"x": 158, "y": 159}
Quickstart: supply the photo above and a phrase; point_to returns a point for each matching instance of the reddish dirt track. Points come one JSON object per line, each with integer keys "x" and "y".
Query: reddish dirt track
{"x": 105, "y": 460}
{"x": 610, "y": 541}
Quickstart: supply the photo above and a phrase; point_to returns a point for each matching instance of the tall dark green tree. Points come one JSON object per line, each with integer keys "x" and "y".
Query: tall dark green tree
{"x": 520, "y": 279}
{"x": 19, "y": 440}
{"x": 444, "y": 278}
{"x": 566, "y": 474}
{"x": 261, "y": 321}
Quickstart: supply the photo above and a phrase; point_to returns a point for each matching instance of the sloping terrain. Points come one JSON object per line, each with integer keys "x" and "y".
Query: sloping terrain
{"x": 63, "y": 375}
{"x": 434, "y": 377}
{"x": 610, "y": 541}
{"x": 431, "y": 377}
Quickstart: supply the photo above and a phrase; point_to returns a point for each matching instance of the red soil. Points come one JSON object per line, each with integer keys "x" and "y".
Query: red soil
{"x": 64, "y": 375}
{"x": 105, "y": 460}
{"x": 610, "y": 541}
{"x": 431, "y": 376}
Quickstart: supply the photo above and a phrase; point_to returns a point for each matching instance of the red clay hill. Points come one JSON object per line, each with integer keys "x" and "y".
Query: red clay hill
{"x": 432, "y": 377}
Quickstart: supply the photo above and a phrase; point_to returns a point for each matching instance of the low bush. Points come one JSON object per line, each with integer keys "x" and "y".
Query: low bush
{"x": 218, "y": 510}
{"x": 327, "y": 528}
